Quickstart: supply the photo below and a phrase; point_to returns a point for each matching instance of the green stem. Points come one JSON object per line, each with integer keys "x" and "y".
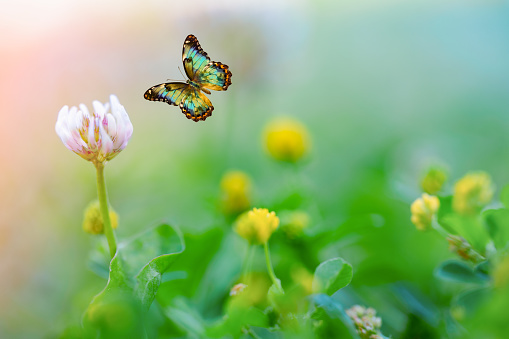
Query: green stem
{"x": 437, "y": 227}
{"x": 103, "y": 203}
{"x": 246, "y": 272}
{"x": 272, "y": 275}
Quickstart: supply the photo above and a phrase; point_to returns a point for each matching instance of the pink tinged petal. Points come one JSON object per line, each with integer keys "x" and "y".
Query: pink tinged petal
{"x": 84, "y": 109}
{"x": 106, "y": 142}
{"x": 111, "y": 126}
{"x": 60, "y": 125}
{"x": 91, "y": 133}
{"x": 99, "y": 108}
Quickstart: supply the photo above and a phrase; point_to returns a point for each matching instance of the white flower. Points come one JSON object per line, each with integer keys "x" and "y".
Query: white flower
{"x": 95, "y": 137}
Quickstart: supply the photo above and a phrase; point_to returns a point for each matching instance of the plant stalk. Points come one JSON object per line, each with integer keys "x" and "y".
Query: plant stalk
{"x": 103, "y": 203}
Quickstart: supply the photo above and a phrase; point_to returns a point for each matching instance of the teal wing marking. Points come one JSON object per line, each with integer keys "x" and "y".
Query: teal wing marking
{"x": 196, "y": 106}
{"x": 170, "y": 92}
{"x": 207, "y": 74}
{"x": 203, "y": 74}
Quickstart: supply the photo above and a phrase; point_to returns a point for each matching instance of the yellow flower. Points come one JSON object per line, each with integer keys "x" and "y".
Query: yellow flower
{"x": 93, "y": 220}
{"x": 433, "y": 180}
{"x": 236, "y": 187}
{"x": 257, "y": 225}
{"x": 293, "y": 223}
{"x": 423, "y": 209}
{"x": 287, "y": 139}
{"x": 472, "y": 193}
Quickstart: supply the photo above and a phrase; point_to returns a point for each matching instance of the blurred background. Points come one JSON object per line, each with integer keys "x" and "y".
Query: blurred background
{"x": 385, "y": 88}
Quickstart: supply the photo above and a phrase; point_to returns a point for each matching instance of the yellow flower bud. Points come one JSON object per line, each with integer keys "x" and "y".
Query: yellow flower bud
{"x": 235, "y": 187}
{"x": 93, "y": 220}
{"x": 433, "y": 180}
{"x": 287, "y": 139}
{"x": 423, "y": 209}
{"x": 257, "y": 225}
{"x": 472, "y": 193}
{"x": 293, "y": 223}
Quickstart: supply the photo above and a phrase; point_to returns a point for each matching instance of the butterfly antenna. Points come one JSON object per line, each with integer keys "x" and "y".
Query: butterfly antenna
{"x": 181, "y": 72}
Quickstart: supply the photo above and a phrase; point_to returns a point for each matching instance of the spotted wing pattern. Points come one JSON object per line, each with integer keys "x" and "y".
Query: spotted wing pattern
{"x": 203, "y": 74}
{"x": 208, "y": 74}
{"x": 170, "y": 92}
{"x": 196, "y": 106}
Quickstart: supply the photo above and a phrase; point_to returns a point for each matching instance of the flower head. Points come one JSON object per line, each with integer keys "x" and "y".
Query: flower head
{"x": 287, "y": 139}
{"x": 98, "y": 136}
{"x": 236, "y": 187}
{"x": 366, "y": 322}
{"x": 433, "y": 180}
{"x": 93, "y": 221}
{"x": 293, "y": 223}
{"x": 472, "y": 193}
{"x": 423, "y": 209}
{"x": 257, "y": 225}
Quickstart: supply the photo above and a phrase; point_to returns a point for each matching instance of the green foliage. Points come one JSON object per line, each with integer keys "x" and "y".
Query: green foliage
{"x": 461, "y": 272}
{"x": 135, "y": 276}
{"x": 332, "y": 275}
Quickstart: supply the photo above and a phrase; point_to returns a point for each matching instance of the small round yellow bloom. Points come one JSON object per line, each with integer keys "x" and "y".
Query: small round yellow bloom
{"x": 423, "y": 209}
{"x": 287, "y": 139}
{"x": 93, "y": 220}
{"x": 236, "y": 187}
{"x": 433, "y": 180}
{"x": 293, "y": 223}
{"x": 257, "y": 225}
{"x": 472, "y": 193}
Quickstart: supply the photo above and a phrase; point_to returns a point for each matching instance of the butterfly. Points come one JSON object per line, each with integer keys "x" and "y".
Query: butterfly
{"x": 203, "y": 75}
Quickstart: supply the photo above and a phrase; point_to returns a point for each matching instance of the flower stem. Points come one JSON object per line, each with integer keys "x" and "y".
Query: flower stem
{"x": 103, "y": 203}
{"x": 272, "y": 275}
{"x": 246, "y": 272}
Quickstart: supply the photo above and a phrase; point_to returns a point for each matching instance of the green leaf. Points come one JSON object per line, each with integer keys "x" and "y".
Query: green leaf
{"x": 497, "y": 224}
{"x": 158, "y": 246}
{"x": 468, "y": 302}
{"x": 332, "y": 275}
{"x": 458, "y": 271}
{"x": 163, "y": 244}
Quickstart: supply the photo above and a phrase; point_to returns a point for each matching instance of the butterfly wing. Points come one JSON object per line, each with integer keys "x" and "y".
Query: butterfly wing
{"x": 193, "y": 56}
{"x": 170, "y": 92}
{"x": 207, "y": 74}
{"x": 195, "y": 105}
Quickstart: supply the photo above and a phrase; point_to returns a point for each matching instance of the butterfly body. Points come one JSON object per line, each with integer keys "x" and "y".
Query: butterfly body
{"x": 203, "y": 74}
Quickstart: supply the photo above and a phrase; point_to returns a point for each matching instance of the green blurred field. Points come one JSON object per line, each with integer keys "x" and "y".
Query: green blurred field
{"x": 385, "y": 88}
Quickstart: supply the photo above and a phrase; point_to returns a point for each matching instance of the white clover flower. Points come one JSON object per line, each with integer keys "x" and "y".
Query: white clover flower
{"x": 95, "y": 137}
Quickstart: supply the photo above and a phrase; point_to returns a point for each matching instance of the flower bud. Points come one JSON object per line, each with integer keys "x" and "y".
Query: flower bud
{"x": 472, "y": 193}
{"x": 95, "y": 137}
{"x": 293, "y": 223}
{"x": 462, "y": 248}
{"x": 287, "y": 139}
{"x": 433, "y": 180}
{"x": 423, "y": 209}
{"x": 366, "y": 322}
{"x": 93, "y": 220}
{"x": 257, "y": 225}
{"x": 235, "y": 187}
